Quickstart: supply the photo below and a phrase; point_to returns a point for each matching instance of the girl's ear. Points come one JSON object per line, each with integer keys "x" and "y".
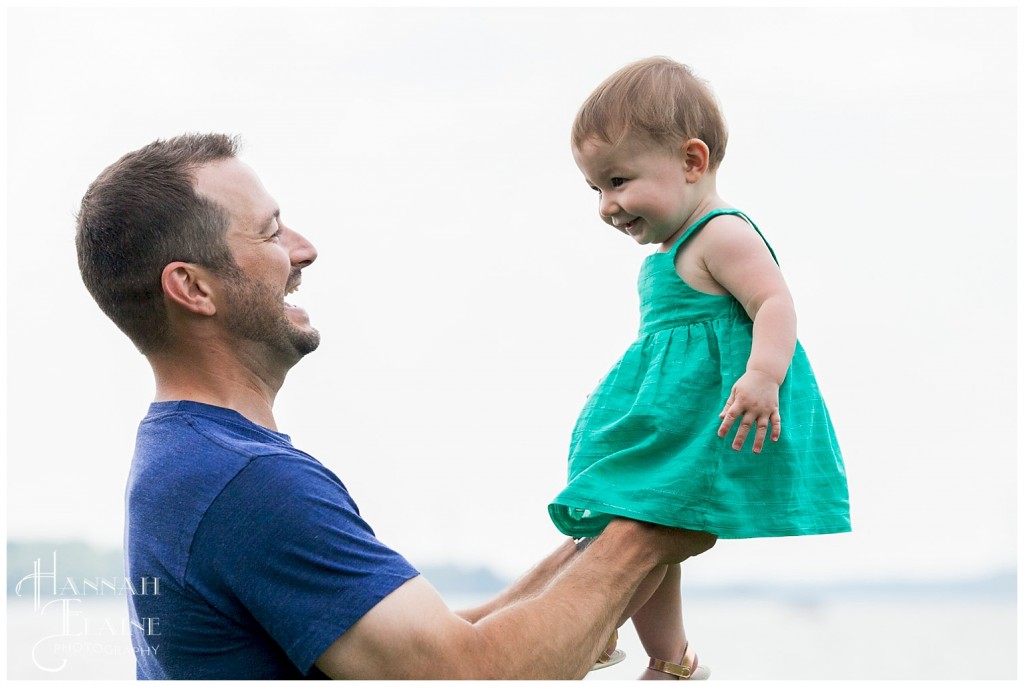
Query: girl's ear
{"x": 186, "y": 285}
{"x": 695, "y": 159}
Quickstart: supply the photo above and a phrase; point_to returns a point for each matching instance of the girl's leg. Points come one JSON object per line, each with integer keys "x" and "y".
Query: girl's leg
{"x": 659, "y": 623}
{"x": 640, "y": 597}
{"x": 644, "y": 592}
{"x": 656, "y": 610}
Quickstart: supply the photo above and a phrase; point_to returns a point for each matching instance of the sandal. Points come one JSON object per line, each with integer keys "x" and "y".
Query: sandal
{"x": 687, "y": 669}
{"x": 610, "y": 656}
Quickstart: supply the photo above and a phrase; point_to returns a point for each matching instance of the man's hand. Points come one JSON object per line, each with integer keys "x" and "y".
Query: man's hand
{"x": 668, "y": 545}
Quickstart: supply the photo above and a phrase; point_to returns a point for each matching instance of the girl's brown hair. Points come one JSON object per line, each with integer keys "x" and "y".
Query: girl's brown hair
{"x": 657, "y": 98}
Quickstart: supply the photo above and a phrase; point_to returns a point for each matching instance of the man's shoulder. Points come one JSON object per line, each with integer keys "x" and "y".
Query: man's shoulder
{"x": 193, "y": 448}
{"x": 209, "y": 428}
{"x": 188, "y": 457}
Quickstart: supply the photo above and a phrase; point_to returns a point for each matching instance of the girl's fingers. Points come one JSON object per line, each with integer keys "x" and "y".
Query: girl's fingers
{"x": 725, "y": 408}
{"x": 723, "y": 429}
{"x": 769, "y": 427}
{"x": 762, "y": 432}
{"x": 727, "y": 419}
{"x": 741, "y": 433}
{"x": 773, "y": 422}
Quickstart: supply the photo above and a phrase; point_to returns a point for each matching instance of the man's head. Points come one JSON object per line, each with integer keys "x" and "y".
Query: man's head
{"x": 141, "y": 213}
{"x": 655, "y": 100}
{"x": 183, "y": 228}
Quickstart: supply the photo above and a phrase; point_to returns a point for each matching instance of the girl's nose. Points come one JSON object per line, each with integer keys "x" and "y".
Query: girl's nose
{"x": 607, "y": 207}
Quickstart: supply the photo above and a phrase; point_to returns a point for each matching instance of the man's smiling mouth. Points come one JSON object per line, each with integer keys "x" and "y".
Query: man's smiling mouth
{"x": 289, "y": 291}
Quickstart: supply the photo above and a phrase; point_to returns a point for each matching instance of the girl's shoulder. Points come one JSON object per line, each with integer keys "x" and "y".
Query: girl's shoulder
{"x": 718, "y": 219}
{"x": 728, "y": 236}
{"x": 726, "y": 250}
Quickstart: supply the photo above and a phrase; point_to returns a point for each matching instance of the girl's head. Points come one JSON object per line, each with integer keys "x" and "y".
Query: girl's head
{"x": 656, "y": 99}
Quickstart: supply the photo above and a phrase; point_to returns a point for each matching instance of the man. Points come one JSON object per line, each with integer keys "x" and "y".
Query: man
{"x": 259, "y": 565}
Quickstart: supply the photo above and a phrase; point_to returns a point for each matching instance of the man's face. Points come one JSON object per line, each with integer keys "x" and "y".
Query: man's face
{"x": 269, "y": 256}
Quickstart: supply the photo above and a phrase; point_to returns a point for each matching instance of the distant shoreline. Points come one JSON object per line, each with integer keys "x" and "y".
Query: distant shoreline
{"x": 81, "y": 561}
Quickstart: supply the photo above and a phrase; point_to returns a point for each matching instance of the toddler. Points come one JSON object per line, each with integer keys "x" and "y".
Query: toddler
{"x": 716, "y": 369}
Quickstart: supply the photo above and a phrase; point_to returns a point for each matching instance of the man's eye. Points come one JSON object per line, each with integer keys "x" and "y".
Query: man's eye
{"x": 617, "y": 181}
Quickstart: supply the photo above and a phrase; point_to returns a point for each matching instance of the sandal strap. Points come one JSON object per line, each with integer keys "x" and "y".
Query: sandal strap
{"x": 681, "y": 670}
{"x": 609, "y": 650}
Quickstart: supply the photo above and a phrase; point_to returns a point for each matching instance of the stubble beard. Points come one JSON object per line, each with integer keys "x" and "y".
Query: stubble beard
{"x": 258, "y": 314}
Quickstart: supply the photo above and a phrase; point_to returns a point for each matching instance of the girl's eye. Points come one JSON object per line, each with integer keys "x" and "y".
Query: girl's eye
{"x": 617, "y": 181}
{"x": 595, "y": 188}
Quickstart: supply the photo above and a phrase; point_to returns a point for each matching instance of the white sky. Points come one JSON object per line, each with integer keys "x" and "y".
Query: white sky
{"x": 468, "y": 295}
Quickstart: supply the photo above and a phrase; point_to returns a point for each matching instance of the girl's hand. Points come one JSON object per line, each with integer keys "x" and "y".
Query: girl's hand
{"x": 755, "y": 399}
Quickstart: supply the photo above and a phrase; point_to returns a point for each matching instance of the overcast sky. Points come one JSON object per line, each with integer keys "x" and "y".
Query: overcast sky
{"x": 468, "y": 295}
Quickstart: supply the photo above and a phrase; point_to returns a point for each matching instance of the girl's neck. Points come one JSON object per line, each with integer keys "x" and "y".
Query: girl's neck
{"x": 707, "y": 203}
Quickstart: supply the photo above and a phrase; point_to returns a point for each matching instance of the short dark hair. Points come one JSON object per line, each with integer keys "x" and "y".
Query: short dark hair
{"x": 141, "y": 213}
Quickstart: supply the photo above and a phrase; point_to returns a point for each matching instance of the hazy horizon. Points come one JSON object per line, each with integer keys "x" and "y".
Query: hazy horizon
{"x": 96, "y": 562}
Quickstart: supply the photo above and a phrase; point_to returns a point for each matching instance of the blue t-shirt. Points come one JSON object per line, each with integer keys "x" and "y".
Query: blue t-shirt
{"x": 247, "y": 557}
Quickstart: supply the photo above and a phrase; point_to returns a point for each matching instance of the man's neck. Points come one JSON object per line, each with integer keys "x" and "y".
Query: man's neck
{"x": 228, "y": 384}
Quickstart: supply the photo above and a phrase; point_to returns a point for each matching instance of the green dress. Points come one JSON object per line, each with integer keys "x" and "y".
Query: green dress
{"x": 646, "y": 444}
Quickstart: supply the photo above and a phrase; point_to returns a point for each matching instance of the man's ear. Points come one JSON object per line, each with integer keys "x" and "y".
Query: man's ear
{"x": 696, "y": 157}
{"x": 188, "y": 286}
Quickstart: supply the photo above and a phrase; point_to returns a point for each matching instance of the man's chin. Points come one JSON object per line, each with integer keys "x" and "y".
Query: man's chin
{"x": 305, "y": 341}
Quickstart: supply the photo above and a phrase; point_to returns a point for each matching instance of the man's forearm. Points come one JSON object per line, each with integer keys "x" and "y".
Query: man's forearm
{"x": 551, "y": 624}
{"x": 556, "y": 629}
{"x": 529, "y": 585}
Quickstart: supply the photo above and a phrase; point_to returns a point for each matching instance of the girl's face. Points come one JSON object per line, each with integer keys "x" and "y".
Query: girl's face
{"x": 643, "y": 188}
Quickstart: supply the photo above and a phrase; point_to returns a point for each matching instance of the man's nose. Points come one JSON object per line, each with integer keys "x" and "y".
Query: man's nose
{"x": 302, "y": 252}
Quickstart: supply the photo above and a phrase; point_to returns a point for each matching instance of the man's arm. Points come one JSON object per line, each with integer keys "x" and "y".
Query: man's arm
{"x": 527, "y": 586}
{"x": 546, "y": 631}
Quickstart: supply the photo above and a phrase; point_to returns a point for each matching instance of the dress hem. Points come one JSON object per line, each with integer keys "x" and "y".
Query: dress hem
{"x": 594, "y": 524}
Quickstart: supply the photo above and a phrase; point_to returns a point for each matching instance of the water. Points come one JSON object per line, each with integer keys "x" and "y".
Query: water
{"x": 739, "y": 638}
{"x": 94, "y": 643}
{"x": 923, "y": 639}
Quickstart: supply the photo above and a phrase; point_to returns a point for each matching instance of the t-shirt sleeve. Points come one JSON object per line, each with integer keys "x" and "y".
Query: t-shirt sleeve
{"x": 285, "y": 541}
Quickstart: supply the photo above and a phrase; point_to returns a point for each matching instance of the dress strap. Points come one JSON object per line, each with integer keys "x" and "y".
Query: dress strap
{"x": 699, "y": 224}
